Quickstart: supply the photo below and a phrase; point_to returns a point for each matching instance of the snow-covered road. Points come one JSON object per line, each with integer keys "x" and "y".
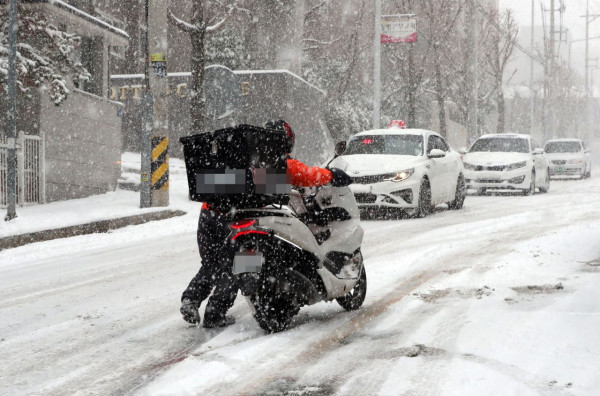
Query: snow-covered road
{"x": 499, "y": 298}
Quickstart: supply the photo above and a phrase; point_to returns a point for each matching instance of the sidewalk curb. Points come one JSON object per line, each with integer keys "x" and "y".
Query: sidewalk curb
{"x": 85, "y": 229}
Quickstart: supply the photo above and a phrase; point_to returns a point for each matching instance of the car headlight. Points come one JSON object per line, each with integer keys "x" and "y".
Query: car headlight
{"x": 402, "y": 175}
{"x": 576, "y": 161}
{"x": 516, "y": 166}
{"x": 468, "y": 166}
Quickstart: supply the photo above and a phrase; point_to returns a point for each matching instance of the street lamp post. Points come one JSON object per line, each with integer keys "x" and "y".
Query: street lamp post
{"x": 588, "y": 19}
{"x": 11, "y": 157}
{"x": 377, "y": 68}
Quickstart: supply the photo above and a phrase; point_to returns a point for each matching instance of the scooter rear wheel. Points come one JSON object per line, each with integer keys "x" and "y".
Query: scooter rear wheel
{"x": 354, "y": 299}
{"x": 273, "y": 313}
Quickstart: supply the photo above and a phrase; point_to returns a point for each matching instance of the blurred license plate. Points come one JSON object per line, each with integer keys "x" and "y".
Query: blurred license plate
{"x": 560, "y": 169}
{"x": 247, "y": 262}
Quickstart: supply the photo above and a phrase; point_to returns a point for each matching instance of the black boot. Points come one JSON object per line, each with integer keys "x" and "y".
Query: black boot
{"x": 189, "y": 310}
{"x": 219, "y": 321}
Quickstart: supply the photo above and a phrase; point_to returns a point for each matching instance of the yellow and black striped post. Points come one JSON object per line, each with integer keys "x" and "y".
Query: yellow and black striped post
{"x": 160, "y": 171}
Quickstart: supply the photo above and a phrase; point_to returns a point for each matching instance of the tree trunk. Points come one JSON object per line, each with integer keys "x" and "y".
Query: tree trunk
{"x": 501, "y": 110}
{"x": 440, "y": 95}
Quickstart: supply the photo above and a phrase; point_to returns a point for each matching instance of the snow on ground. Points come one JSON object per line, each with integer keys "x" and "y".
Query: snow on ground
{"x": 112, "y": 205}
{"x": 498, "y": 298}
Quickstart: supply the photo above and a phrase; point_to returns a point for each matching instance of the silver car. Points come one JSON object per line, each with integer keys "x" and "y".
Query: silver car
{"x": 568, "y": 157}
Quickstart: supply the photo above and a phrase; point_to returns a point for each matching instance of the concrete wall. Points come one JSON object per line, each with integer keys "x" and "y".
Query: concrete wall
{"x": 266, "y": 95}
{"x": 83, "y": 146}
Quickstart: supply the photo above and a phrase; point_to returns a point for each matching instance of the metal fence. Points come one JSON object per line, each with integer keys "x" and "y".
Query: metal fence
{"x": 30, "y": 170}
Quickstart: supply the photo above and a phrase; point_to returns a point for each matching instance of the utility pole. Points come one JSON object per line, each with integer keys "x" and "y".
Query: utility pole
{"x": 472, "y": 61}
{"x": 531, "y": 90}
{"x": 11, "y": 158}
{"x": 549, "y": 130}
{"x": 154, "y": 190}
{"x": 377, "y": 68}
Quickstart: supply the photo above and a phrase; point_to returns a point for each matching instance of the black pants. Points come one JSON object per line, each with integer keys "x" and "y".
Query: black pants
{"x": 216, "y": 269}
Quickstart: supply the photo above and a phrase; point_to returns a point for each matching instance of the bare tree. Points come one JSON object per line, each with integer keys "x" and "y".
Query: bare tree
{"x": 404, "y": 85}
{"x": 442, "y": 17}
{"x": 500, "y": 45}
{"x": 332, "y": 60}
{"x": 207, "y": 17}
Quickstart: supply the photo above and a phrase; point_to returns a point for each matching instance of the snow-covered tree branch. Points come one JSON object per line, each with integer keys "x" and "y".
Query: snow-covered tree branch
{"x": 44, "y": 55}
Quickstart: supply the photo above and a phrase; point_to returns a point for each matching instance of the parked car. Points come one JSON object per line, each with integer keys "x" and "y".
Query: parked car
{"x": 568, "y": 157}
{"x": 506, "y": 162}
{"x": 408, "y": 169}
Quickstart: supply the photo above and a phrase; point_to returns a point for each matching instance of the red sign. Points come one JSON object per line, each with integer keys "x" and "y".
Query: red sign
{"x": 398, "y": 29}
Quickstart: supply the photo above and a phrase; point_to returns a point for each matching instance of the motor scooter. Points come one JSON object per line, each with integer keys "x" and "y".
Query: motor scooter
{"x": 299, "y": 254}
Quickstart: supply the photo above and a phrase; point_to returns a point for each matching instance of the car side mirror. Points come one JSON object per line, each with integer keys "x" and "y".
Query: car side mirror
{"x": 538, "y": 151}
{"x": 340, "y": 147}
{"x": 436, "y": 153}
{"x": 587, "y": 151}
{"x": 462, "y": 150}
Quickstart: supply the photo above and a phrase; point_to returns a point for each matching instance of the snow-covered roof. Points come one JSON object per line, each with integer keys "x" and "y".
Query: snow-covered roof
{"x": 564, "y": 140}
{"x": 396, "y": 131}
{"x": 236, "y": 72}
{"x": 244, "y": 72}
{"x": 506, "y": 135}
{"x": 81, "y": 14}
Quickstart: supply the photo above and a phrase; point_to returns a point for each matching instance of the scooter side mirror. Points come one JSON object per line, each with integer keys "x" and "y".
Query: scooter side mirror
{"x": 340, "y": 147}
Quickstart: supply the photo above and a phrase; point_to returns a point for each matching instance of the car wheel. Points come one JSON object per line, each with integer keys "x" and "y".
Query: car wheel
{"x": 531, "y": 189}
{"x": 459, "y": 195}
{"x": 424, "y": 204}
{"x": 546, "y": 187}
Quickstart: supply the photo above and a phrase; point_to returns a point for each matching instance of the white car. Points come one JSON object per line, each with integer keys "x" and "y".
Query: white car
{"x": 506, "y": 162}
{"x": 568, "y": 157}
{"x": 409, "y": 169}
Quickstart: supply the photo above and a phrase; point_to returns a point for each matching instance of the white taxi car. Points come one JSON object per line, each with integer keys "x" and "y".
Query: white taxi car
{"x": 410, "y": 169}
{"x": 506, "y": 162}
{"x": 568, "y": 157}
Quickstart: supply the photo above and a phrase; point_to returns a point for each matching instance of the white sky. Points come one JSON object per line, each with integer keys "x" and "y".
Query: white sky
{"x": 571, "y": 20}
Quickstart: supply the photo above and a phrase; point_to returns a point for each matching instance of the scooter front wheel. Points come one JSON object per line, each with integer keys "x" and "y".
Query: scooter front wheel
{"x": 355, "y": 297}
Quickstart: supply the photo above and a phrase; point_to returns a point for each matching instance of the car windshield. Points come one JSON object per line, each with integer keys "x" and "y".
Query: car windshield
{"x": 562, "y": 147}
{"x": 385, "y": 144}
{"x": 506, "y": 145}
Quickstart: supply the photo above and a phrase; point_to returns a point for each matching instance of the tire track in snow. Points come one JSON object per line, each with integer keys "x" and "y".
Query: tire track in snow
{"x": 320, "y": 348}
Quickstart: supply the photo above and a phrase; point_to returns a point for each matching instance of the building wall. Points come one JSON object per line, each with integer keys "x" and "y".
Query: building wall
{"x": 83, "y": 146}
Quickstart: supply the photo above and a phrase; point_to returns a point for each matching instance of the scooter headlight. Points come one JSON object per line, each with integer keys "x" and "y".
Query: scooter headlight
{"x": 402, "y": 175}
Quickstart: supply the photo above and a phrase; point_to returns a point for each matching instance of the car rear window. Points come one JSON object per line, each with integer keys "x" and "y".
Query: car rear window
{"x": 385, "y": 144}
{"x": 562, "y": 147}
{"x": 506, "y": 145}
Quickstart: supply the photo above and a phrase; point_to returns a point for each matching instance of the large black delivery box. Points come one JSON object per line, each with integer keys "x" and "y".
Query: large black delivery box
{"x": 242, "y": 167}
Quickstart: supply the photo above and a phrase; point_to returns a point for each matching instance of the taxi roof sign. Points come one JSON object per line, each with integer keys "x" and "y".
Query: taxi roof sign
{"x": 397, "y": 124}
